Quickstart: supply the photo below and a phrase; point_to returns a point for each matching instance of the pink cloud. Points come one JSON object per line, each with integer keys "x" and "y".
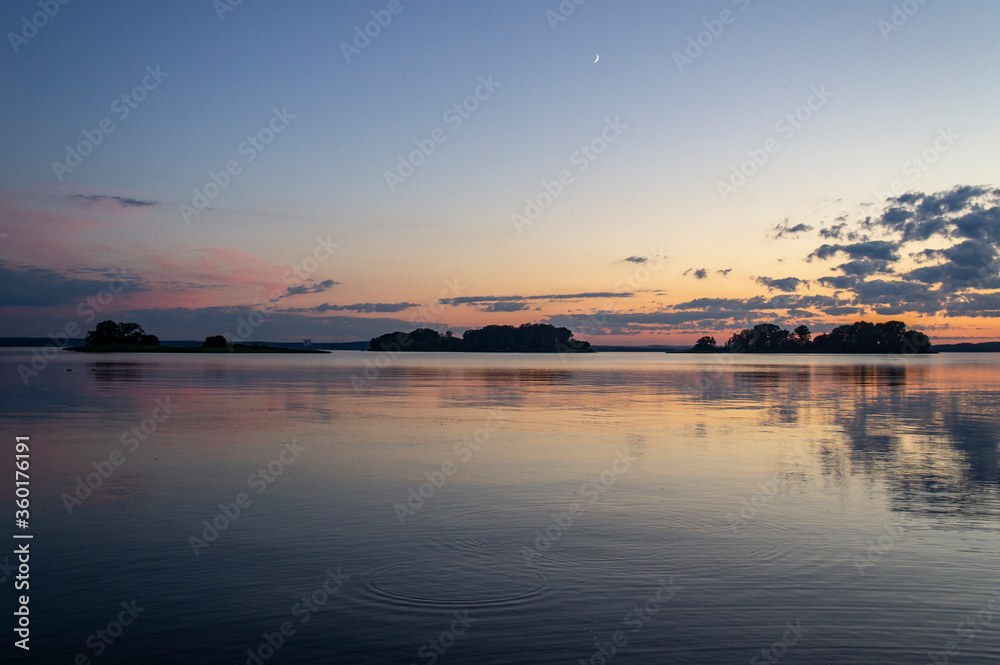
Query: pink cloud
{"x": 86, "y": 238}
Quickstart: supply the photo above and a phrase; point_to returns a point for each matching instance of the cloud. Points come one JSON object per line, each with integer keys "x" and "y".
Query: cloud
{"x": 725, "y": 272}
{"x": 949, "y": 280}
{"x": 504, "y": 306}
{"x": 864, "y": 267}
{"x": 476, "y": 300}
{"x": 360, "y": 307}
{"x": 965, "y": 211}
{"x": 123, "y": 201}
{"x": 701, "y": 314}
{"x": 785, "y": 284}
{"x": 840, "y": 282}
{"x": 893, "y": 297}
{"x": 835, "y": 232}
{"x": 967, "y": 215}
{"x": 31, "y": 286}
{"x": 782, "y": 229}
{"x": 302, "y": 289}
{"x": 871, "y": 249}
{"x": 970, "y": 263}
{"x": 975, "y": 304}
{"x": 634, "y": 259}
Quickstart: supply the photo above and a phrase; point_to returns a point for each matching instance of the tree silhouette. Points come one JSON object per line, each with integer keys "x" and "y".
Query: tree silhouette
{"x": 527, "y": 338}
{"x": 858, "y": 337}
{"x": 109, "y": 333}
{"x": 705, "y": 344}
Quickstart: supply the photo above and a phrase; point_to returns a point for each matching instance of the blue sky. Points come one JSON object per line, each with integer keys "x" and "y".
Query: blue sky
{"x": 888, "y": 95}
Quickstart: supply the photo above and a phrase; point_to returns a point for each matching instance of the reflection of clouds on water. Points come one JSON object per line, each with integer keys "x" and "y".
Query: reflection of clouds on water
{"x": 929, "y": 434}
{"x": 935, "y": 448}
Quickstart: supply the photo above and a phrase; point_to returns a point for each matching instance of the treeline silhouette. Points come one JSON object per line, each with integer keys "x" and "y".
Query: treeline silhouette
{"x": 526, "y": 338}
{"x": 109, "y": 333}
{"x": 858, "y": 337}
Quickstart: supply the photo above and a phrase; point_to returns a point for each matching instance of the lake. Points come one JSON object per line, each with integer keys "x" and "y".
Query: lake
{"x": 472, "y": 508}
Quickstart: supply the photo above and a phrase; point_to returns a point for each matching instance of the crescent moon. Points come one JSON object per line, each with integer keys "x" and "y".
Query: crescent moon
{"x": 597, "y": 58}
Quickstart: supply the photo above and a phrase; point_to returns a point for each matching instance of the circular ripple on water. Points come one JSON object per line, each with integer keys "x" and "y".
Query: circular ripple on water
{"x": 455, "y": 582}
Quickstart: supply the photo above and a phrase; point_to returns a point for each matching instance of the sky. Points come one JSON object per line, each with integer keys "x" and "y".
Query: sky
{"x": 640, "y": 172}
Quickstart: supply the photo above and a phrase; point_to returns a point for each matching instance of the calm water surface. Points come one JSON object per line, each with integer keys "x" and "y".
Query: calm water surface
{"x": 633, "y": 508}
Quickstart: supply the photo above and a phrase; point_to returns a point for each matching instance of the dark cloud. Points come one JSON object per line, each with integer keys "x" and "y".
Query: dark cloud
{"x": 785, "y": 284}
{"x": 711, "y": 314}
{"x": 864, "y": 267}
{"x": 782, "y": 229}
{"x": 840, "y": 282}
{"x": 476, "y": 300}
{"x": 504, "y": 306}
{"x": 975, "y": 304}
{"x": 302, "y": 289}
{"x": 835, "y": 232}
{"x": 123, "y": 201}
{"x": 966, "y": 211}
{"x": 968, "y": 264}
{"x": 360, "y": 307}
{"x": 925, "y": 255}
{"x": 634, "y": 259}
{"x": 40, "y": 287}
{"x": 946, "y": 279}
{"x": 893, "y": 297}
{"x": 872, "y": 249}
{"x": 725, "y": 272}
{"x": 701, "y": 273}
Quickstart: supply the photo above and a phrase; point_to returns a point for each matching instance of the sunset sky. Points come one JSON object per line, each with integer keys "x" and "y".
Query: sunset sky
{"x": 723, "y": 163}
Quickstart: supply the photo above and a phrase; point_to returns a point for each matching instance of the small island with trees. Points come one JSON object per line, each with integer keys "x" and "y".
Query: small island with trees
{"x": 112, "y": 337}
{"x": 858, "y": 337}
{"x": 526, "y": 338}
